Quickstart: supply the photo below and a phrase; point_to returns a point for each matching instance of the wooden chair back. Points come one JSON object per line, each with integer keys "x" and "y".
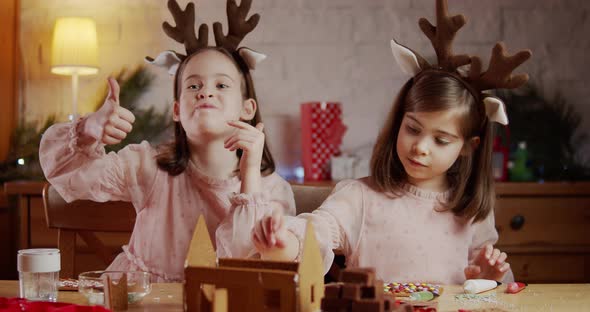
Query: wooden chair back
{"x": 310, "y": 197}
{"x": 83, "y": 218}
{"x": 307, "y": 199}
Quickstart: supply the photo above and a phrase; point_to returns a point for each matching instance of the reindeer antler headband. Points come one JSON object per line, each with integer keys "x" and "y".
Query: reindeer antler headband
{"x": 184, "y": 32}
{"x": 497, "y": 76}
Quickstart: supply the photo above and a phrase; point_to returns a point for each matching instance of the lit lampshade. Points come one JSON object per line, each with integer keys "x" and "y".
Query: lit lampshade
{"x": 74, "y": 49}
{"x": 74, "y": 52}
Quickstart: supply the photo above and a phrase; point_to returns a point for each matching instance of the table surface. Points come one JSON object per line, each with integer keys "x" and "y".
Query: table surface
{"x": 537, "y": 297}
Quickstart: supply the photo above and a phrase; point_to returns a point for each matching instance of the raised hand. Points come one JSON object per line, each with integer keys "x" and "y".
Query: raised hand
{"x": 250, "y": 140}
{"x": 490, "y": 264}
{"x": 111, "y": 123}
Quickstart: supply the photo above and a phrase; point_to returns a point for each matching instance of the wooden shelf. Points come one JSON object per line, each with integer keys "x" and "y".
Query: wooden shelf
{"x": 543, "y": 189}
{"x": 512, "y": 188}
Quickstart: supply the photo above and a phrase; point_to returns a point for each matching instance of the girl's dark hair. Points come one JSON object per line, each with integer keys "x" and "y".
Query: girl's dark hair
{"x": 173, "y": 157}
{"x": 470, "y": 177}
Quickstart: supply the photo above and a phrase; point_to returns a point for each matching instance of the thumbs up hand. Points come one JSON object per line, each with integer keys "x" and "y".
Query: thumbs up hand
{"x": 111, "y": 123}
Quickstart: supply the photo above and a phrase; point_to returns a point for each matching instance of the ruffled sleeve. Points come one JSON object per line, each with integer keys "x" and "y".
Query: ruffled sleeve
{"x": 84, "y": 171}
{"x": 485, "y": 233}
{"x": 338, "y": 222}
{"x": 234, "y": 235}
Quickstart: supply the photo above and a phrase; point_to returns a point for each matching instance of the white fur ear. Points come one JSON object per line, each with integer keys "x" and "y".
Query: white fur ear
{"x": 495, "y": 110}
{"x": 405, "y": 58}
{"x": 166, "y": 59}
{"x": 251, "y": 57}
{"x": 464, "y": 70}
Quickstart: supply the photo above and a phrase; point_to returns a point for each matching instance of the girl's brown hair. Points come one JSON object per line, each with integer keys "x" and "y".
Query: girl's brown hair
{"x": 173, "y": 157}
{"x": 470, "y": 177}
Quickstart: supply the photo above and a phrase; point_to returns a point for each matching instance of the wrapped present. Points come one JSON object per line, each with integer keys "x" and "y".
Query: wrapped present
{"x": 322, "y": 131}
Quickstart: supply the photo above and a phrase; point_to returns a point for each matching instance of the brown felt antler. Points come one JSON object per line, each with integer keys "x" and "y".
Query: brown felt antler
{"x": 441, "y": 36}
{"x": 499, "y": 73}
{"x": 184, "y": 31}
{"x": 238, "y": 26}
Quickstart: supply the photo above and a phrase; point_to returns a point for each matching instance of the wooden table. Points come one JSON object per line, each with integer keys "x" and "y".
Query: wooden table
{"x": 537, "y": 297}
{"x": 163, "y": 297}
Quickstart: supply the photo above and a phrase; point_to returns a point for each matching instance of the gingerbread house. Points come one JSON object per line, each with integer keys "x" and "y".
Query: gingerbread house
{"x": 249, "y": 284}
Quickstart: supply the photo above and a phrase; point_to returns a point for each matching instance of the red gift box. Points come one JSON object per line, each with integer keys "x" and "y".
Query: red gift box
{"x": 321, "y": 135}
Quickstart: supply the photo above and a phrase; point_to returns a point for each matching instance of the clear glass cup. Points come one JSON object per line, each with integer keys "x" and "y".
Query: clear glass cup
{"x": 90, "y": 284}
{"x": 38, "y": 273}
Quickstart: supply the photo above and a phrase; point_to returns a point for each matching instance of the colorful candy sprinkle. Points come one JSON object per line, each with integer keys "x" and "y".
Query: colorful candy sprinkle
{"x": 409, "y": 288}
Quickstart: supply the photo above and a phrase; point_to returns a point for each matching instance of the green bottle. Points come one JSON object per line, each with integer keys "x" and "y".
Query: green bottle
{"x": 519, "y": 172}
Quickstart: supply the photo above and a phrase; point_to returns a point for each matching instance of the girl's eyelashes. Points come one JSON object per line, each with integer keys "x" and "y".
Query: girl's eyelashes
{"x": 441, "y": 141}
{"x": 412, "y": 130}
{"x": 198, "y": 86}
{"x": 415, "y": 131}
{"x": 192, "y": 86}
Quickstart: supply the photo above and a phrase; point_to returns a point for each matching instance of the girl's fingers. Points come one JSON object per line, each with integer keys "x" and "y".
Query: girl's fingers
{"x": 494, "y": 257}
{"x": 266, "y": 232}
{"x": 501, "y": 259}
{"x": 125, "y": 114}
{"x": 238, "y": 137}
{"x": 277, "y": 224}
{"x": 488, "y": 249}
{"x": 240, "y": 125}
{"x": 241, "y": 134}
{"x": 113, "y": 90}
{"x": 269, "y": 230}
{"x": 109, "y": 140}
{"x": 245, "y": 126}
{"x": 274, "y": 225}
{"x": 280, "y": 243}
{"x": 257, "y": 242}
{"x": 122, "y": 125}
{"x": 252, "y": 133}
{"x": 111, "y": 131}
{"x": 472, "y": 271}
{"x": 278, "y": 227}
{"x": 260, "y": 233}
{"x": 245, "y": 146}
{"x": 504, "y": 267}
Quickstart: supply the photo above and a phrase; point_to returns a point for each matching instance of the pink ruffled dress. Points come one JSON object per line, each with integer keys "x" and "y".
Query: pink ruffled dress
{"x": 167, "y": 206}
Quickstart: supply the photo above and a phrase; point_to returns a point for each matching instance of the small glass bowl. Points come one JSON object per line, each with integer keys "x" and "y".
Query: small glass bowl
{"x": 91, "y": 286}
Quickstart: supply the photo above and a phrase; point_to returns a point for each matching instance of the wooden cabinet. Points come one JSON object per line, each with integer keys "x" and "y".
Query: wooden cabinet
{"x": 545, "y": 229}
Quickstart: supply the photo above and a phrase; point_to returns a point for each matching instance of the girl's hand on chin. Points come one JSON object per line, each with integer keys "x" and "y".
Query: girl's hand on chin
{"x": 250, "y": 140}
{"x": 111, "y": 123}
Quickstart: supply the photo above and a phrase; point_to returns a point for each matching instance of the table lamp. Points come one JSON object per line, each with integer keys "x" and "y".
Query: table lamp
{"x": 74, "y": 52}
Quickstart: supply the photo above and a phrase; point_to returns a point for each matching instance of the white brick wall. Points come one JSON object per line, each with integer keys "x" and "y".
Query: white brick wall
{"x": 318, "y": 50}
